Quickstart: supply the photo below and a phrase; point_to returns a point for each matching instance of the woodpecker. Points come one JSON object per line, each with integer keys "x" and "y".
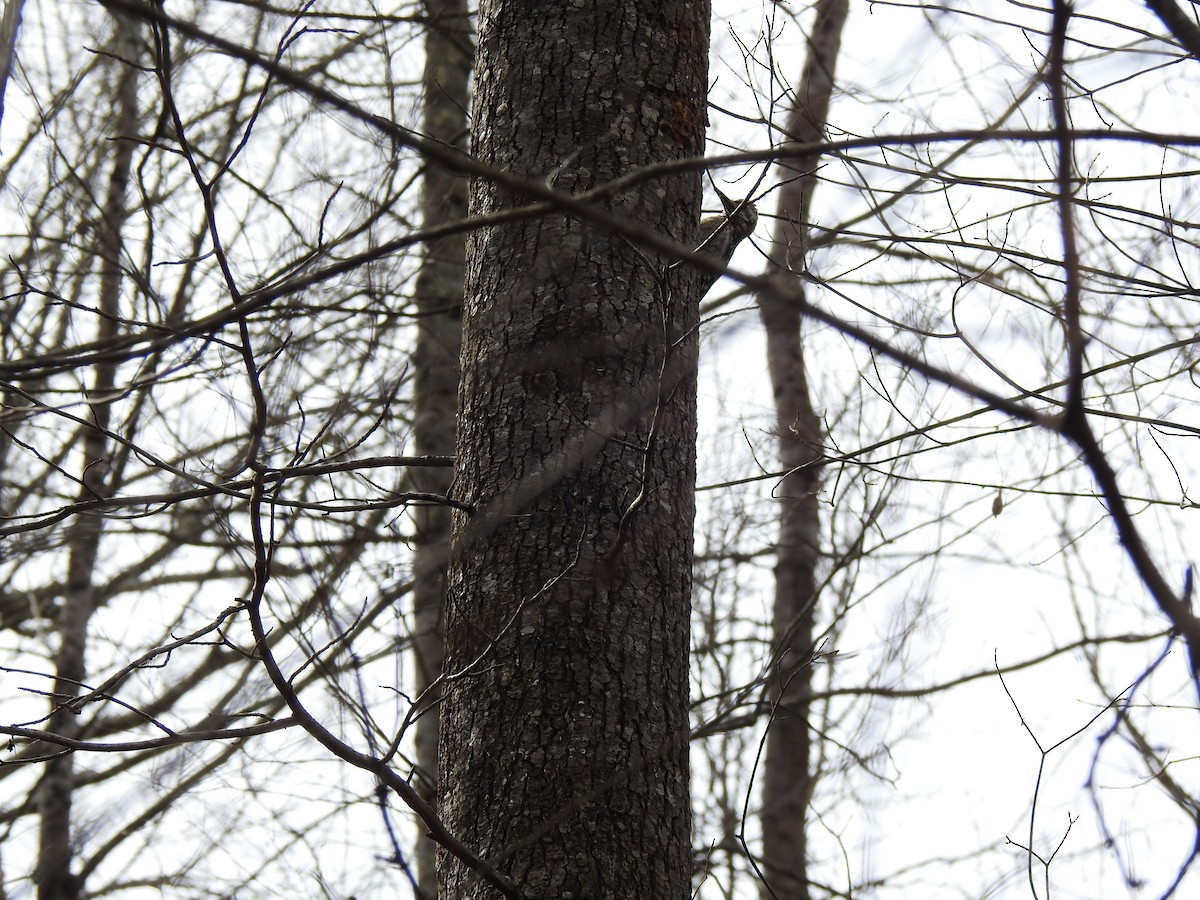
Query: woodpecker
{"x": 720, "y": 235}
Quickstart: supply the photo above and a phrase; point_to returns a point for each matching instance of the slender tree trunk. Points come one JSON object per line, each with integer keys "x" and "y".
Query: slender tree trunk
{"x": 788, "y": 776}
{"x": 56, "y": 852}
{"x": 448, "y": 57}
{"x": 565, "y": 717}
{"x": 10, "y": 26}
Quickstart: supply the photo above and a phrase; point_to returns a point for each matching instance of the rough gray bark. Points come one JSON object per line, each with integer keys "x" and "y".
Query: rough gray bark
{"x": 787, "y": 781}
{"x": 54, "y": 873}
{"x": 448, "y": 57}
{"x": 565, "y": 717}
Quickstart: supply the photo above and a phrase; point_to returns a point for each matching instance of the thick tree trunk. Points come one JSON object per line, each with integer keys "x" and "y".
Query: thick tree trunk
{"x": 565, "y": 718}
{"x": 448, "y": 57}
{"x": 787, "y": 769}
{"x": 54, "y": 873}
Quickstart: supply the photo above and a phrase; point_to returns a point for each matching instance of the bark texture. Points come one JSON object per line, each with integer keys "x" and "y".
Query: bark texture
{"x": 788, "y": 774}
{"x": 448, "y": 56}
{"x": 565, "y": 716}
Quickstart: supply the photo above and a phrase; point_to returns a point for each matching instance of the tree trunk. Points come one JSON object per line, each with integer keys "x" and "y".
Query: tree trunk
{"x": 10, "y": 25}
{"x": 788, "y": 778}
{"x": 56, "y": 852}
{"x": 448, "y": 55}
{"x": 565, "y": 719}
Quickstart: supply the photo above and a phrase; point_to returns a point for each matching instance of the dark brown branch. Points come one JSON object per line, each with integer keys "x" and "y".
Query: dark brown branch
{"x": 1182, "y": 28}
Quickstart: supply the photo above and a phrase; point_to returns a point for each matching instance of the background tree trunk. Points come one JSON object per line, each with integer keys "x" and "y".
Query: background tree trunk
{"x": 448, "y": 57}
{"x": 788, "y": 774}
{"x": 565, "y": 720}
{"x": 54, "y": 875}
